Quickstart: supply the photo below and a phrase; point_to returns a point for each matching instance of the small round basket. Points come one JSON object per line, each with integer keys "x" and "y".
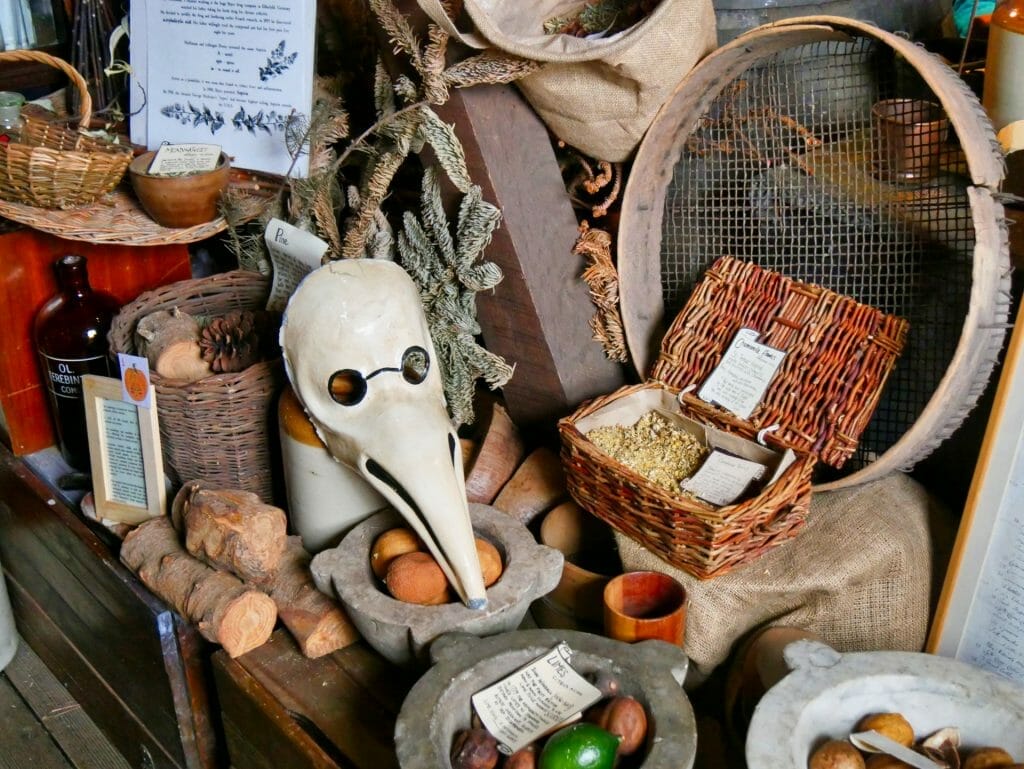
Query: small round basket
{"x": 215, "y": 429}
{"x": 53, "y": 166}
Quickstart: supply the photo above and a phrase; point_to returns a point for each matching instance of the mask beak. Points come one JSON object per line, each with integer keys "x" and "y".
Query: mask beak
{"x": 424, "y": 482}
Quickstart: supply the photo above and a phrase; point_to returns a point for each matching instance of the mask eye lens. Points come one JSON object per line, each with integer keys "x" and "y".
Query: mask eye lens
{"x": 347, "y": 387}
{"x": 415, "y": 365}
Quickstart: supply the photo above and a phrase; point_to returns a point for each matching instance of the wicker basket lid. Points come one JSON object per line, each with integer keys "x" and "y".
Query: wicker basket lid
{"x": 838, "y": 355}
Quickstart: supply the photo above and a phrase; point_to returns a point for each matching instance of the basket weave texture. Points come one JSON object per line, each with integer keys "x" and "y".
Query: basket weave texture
{"x": 215, "y": 429}
{"x": 838, "y": 355}
{"x": 53, "y": 166}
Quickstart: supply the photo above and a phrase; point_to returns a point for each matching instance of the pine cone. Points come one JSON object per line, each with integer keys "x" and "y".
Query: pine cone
{"x": 231, "y": 343}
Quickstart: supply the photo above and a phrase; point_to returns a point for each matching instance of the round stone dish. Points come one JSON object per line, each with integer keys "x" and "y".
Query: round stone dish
{"x": 827, "y": 693}
{"x": 439, "y": 704}
{"x": 402, "y": 631}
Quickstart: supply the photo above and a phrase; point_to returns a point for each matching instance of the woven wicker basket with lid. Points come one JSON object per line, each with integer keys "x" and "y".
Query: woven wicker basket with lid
{"x": 839, "y": 353}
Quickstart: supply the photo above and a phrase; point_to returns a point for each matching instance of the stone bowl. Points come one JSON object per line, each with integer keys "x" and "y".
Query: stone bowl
{"x": 402, "y": 631}
{"x": 827, "y": 693}
{"x": 179, "y": 201}
{"x": 439, "y": 704}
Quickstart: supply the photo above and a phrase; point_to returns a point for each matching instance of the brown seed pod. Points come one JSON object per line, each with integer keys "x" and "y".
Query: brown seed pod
{"x": 416, "y": 578}
{"x": 624, "y": 717}
{"x": 988, "y": 758}
{"x": 474, "y": 749}
{"x": 490, "y": 561}
{"x": 391, "y": 544}
{"x": 836, "y": 754}
{"x": 892, "y": 725}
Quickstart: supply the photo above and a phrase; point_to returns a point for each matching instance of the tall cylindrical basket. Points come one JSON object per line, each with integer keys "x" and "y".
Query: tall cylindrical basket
{"x": 217, "y": 429}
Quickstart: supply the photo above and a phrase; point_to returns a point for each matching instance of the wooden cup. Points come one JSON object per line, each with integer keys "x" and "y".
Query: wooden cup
{"x": 639, "y": 605}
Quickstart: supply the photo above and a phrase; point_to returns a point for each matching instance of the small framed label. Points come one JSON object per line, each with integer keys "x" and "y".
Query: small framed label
{"x": 741, "y": 378}
{"x": 124, "y": 453}
{"x": 182, "y": 159}
{"x": 534, "y": 700}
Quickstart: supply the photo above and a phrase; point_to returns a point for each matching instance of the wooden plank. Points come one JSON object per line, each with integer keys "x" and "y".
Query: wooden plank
{"x": 82, "y": 743}
{"x": 328, "y": 699}
{"x": 83, "y": 604}
{"x": 259, "y": 731}
{"x": 538, "y": 316}
{"x": 117, "y": 721}
{"x": 25, "y": 742}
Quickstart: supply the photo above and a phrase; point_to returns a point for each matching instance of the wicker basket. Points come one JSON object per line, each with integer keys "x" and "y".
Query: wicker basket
{"x": 838, "y": 355}
{"x": 214, "y": 429}
{"x": 53, "y": 166}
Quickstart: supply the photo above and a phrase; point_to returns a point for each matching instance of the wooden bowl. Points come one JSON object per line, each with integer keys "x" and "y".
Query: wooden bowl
{"x": 179, "y": 201}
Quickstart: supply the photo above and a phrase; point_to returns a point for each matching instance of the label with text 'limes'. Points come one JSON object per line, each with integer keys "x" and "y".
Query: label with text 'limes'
{"x": 534, "y": 700}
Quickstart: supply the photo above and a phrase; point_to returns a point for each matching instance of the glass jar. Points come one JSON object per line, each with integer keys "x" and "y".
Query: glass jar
{"x": 1003, "y": 95}
{"x": 11, "y": 122}
{"x": 71, "y": 338}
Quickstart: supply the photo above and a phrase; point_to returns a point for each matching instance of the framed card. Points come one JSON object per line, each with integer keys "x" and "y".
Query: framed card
{"x": 124, "y": 451}
{"x": 980, "y": 616}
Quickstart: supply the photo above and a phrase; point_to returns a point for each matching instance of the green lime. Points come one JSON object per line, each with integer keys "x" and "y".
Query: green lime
{"x": 579, "y": 746}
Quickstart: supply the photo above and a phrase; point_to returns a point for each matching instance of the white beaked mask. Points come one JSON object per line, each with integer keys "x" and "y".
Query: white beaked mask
{"x": 359, "y": 356}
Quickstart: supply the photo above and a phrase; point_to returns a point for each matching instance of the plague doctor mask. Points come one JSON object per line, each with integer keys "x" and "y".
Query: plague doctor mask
{"x": 359, "y": 356}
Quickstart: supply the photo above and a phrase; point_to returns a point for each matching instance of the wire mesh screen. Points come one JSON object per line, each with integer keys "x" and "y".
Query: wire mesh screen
{"x": 834, "y": 163}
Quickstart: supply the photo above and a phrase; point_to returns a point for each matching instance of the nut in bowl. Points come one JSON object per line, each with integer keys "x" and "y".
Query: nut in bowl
{"x": 179, "y": 201}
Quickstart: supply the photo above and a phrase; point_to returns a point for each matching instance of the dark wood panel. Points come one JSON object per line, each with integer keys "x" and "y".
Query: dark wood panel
{"x": 145, "y": 665}
{"x": 74, "y": 672}
{"x": 259, "y": 732}
{"x": 327, "y": 696}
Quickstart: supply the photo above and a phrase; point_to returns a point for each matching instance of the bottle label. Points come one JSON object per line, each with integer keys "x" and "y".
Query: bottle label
{"x": 65, "y": 374}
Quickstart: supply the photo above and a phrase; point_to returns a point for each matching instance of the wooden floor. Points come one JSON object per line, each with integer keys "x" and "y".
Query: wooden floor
{"x": 42, "y": 727}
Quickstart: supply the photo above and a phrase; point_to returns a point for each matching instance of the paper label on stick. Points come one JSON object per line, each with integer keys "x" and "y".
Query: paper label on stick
{"x": 181, "y": 159}
{"x": 294, "y": 253}
{"x": 723, "y": 478}
{"x": 534, "y": 700}
{"x": 739, "y": 381}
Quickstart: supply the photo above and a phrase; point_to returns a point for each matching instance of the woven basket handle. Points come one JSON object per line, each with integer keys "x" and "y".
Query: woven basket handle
{"x": 85, "y": 100}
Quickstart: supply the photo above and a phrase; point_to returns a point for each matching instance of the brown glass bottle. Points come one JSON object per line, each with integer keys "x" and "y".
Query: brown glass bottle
{"x": 71, "y": 337}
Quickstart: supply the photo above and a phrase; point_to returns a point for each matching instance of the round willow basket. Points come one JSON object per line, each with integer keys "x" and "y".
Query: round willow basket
{"x": 844, "y": 156}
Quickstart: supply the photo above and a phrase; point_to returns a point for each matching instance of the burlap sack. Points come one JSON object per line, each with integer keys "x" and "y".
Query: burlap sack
{"x": 859, "y": 575}
{"x": 597, "y": 95}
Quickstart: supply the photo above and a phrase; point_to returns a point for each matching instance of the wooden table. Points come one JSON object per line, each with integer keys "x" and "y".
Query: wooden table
{"x": 280, "y": 709}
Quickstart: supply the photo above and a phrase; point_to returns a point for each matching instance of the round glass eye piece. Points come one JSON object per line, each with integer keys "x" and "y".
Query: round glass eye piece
{"x": 347, "y": 387}
{"x": 415, "y": 365}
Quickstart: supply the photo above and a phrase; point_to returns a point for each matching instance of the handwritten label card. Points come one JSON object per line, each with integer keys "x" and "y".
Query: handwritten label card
{"x": 723, "y": 478}
{"x": 181, "y": 159}
{"x": 741, "y": 378}
{"x": 135, "y": 380}
{"x": 533, "y": 700}
{"x": 294, "y": 253}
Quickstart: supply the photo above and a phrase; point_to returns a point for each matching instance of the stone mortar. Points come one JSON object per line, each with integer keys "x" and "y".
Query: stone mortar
{"x": 402, "y": 631}
{"x": 439, "y": 704}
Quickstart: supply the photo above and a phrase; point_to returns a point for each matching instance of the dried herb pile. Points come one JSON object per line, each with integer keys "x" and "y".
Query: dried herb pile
{"x": 604, "y": 17}
{"x": 654, "y": 448}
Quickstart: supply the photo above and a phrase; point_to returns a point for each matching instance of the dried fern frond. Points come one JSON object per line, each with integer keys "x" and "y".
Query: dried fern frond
{"x": 435, "y": 89}
{"x": 398, "y": 29}
{"x": 449, "y": 273}
{"x": 490, "y": 67}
